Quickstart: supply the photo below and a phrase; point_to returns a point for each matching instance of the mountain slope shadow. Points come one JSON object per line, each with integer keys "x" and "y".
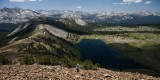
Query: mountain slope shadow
{"x": 99, "y": 52}
{"x": 147, "y": 55}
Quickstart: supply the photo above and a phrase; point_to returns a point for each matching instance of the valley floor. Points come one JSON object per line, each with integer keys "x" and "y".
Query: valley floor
{"x": 41, "y": 72}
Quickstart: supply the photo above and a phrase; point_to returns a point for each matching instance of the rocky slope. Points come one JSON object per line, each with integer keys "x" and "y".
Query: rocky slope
{"x": 39, "y": 38}
{"x": 16, "y": 15}
{"x": 39, "y": 72}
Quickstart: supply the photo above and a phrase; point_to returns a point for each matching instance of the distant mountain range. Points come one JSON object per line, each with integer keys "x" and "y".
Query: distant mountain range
{"x": 16, "y": 15}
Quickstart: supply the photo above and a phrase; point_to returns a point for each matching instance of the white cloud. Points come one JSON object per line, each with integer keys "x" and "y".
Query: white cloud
{"x": 132, "y": 1}
{"x": 17, "y": 0}
{"x": 121, "y": 3}
{"x": 32, "y": 0}
{"x": 79, "y": 7}
{"x": 148, "y": 2}
{"x": 118, "y": 3}
{"x": 127, "y": 2}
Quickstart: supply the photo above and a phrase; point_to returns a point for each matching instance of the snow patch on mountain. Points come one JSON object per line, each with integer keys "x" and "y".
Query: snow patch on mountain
{"x": 80, "y": 22}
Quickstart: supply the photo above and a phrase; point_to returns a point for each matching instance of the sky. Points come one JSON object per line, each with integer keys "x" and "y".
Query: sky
{"x": 85, "y": 5}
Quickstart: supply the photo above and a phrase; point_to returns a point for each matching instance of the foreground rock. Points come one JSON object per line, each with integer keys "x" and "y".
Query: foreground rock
{"x": 39, "y": 72}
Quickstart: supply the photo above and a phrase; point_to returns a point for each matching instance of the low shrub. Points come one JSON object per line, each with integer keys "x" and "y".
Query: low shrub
{"x": 3, "y": 60}
{"x": 88, "y": 65}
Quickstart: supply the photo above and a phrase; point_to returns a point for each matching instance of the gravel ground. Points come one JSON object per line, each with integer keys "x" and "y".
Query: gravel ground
{"x": 41, "y": 72}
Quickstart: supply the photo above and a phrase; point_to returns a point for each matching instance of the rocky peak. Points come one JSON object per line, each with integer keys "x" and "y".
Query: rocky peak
{"x": 16, "y": 15}
{"x": 142, "y": 13}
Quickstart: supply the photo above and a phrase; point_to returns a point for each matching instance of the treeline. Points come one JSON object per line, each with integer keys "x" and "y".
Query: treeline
{"x": 53, "y": 60}
{"x": 29, "y": 59}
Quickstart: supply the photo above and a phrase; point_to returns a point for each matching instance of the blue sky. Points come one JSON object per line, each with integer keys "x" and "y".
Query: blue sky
{"x": 85, "y": 5}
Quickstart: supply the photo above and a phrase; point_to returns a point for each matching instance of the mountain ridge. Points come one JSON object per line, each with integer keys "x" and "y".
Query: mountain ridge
{"x": 37, "y": 37}
{"x": 16, "y": 15}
